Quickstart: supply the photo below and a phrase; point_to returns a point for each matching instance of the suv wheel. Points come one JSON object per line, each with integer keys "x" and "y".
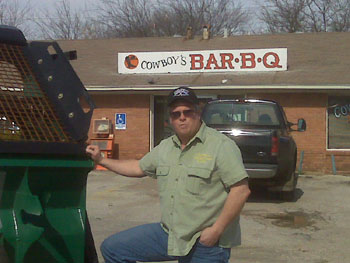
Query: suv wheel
{"x": 289, "y": 196}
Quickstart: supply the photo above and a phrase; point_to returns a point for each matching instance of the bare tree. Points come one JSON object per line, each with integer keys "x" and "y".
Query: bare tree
{"x": 228, "y": 15}
{"x": 93, "y": 29}
{"x": 219, "y": 14}
{"x": 126, "y": 18}
{"x": 130, "y": 18}
{"x": 318, "y": 15}
{"x": 13, "y": 13}
{"x": 340, "y": 16}
{"x": 306, "y": 15}
{"x": 284, "y": 15}
{"x": 328, "y": 15}
{"x": 62, "y": 23}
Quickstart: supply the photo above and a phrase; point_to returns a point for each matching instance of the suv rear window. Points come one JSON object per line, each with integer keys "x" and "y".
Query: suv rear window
{"x": 247, "y": 113}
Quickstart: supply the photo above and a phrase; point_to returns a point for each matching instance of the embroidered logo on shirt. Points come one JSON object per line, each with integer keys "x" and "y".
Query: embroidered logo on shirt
{"x": 203, "y": 157}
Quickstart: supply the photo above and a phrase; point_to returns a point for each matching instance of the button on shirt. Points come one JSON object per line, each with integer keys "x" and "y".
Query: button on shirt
{"x": 193, "y": 185}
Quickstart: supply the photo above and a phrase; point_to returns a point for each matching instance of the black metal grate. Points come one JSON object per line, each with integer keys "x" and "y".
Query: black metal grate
{"x": 26, "y": 114}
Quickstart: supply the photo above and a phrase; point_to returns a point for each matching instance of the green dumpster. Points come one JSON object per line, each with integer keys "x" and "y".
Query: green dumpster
{"x": 43, "y": 165}
{"x": 43, "y": 208}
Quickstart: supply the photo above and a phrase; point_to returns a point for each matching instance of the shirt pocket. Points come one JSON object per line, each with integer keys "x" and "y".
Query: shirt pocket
{"x": 196, "y": 179}
{"x": 162, "y": 179}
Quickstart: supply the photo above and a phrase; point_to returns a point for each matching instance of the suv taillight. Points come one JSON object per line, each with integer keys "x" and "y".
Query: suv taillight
{"x": 274, "y": 145}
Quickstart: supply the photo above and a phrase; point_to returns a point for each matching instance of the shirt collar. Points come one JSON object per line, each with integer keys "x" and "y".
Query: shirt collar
{"x": 200, "y": 135}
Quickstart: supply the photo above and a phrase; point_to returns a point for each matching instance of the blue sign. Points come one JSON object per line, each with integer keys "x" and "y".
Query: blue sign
{"x": 120, "y": 121}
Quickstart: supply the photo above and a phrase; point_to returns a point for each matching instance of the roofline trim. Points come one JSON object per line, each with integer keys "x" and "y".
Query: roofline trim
{"x": 247, "y": 87}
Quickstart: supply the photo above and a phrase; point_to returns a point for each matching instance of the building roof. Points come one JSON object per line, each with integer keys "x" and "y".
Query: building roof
{"x": 314, "y": 59}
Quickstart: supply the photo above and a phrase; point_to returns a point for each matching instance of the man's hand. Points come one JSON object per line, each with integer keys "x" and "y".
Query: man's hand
{"x": 95, "y": 153}
{"x": 209, "y": 237}
{"x": 234, "y": 203}
{"x": 129, "y": 168}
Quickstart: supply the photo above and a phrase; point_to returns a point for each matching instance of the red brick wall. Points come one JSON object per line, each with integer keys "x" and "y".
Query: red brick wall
{"x": 311, "y": 107}
{"x": 342, "y": 162}
{"x": 134, "y": 141}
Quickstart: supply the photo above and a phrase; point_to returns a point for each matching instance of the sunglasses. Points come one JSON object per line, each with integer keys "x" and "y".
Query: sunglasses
{"x": 177, "y": 114}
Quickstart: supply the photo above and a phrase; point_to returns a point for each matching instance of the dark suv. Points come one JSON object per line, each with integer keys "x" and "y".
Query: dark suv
{"x": 263, "y": 134}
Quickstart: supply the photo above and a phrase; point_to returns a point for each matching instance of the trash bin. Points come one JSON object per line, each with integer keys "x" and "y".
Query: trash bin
{"x": 43, "y": 208}
{"x": 43, "y": 165}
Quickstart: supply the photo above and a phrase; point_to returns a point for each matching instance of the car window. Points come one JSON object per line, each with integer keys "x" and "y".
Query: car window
{"x": 225, "y": 113}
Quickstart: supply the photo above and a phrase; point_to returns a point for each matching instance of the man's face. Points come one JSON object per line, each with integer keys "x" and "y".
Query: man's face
{"x": 184, "y": 119}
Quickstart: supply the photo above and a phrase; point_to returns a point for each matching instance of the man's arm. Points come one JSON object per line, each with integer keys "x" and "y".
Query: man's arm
{"x": 129, "y": 168}
{"x": 234, "y": 203}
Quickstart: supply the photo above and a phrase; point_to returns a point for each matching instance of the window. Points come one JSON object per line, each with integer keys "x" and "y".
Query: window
{"x": 338, "y": 122}
{"x": 247, "y": 114}
{"x": 162, "y": 127}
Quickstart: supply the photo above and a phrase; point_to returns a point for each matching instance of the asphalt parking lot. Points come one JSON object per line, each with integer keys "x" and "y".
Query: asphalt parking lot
{"x": 313, "y": 229}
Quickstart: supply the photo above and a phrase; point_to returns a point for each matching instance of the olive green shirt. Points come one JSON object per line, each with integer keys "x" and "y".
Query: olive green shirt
{"x": 193, "y": 186}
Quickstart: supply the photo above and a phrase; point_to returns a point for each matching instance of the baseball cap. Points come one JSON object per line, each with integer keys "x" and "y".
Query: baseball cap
{"x": 182, "y": 93}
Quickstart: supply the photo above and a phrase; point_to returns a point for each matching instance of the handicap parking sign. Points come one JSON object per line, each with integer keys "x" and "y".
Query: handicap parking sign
{"x": 120, "y": 121}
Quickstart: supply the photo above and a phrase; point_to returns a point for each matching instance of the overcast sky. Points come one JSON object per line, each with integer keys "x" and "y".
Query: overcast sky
{"x": 250, "y": 5}
{"x": 38, "y": 5}
{"x": 82, "y": 3}
{"x": 48, "y": 3}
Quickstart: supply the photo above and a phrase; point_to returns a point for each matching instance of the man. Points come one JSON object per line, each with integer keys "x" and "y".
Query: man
{"x": 202, "y": 187}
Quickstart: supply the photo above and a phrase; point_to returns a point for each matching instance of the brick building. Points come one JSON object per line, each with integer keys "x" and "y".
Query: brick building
{"x": 314, "y": 85}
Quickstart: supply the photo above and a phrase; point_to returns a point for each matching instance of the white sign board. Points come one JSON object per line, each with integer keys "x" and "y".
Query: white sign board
{"x": 241, "y": 60}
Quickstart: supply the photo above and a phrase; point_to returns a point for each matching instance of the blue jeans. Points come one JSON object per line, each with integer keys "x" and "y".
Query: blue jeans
{"x": 149, "y": 243}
